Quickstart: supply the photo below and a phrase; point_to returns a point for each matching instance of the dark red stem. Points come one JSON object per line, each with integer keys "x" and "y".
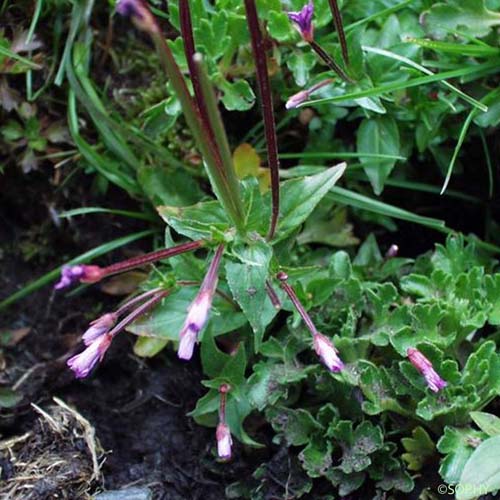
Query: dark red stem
{"x": 296, "y": 302}
{"x": 259, "y": 55}
{"x": 339, "y": 26}
{"x": 327, "y": 59}
{"x": 190, "y": 50}
{"x": 141, "y": 260}
{"x": 273, "y": 297}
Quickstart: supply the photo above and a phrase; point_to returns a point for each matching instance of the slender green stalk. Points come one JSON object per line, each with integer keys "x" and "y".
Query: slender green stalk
{"x": 216, "y": 169}
{"x": 221, "y": 143}
{"x": 259, "y": 55}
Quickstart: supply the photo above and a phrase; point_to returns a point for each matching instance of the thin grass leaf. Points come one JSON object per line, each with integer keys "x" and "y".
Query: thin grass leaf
{"x": 489, "y": 164}
{"x": 12, "y": 55}
{"x": 353, "y": 199}
{"x": 340, "y": 155}
{"x": 101, "y": 210}
{"x": 461, "y": 139}
{"x": 29, "y": 37}
{"x": 423, "y": 69}
{"x": 491, "y": 66}
{"x": 83, "y": 258}
{"x": 105, "y": 166}
{"x": 456, "y": 48}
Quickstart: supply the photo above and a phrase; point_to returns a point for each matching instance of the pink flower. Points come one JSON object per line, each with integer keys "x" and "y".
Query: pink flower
{"x": 196, "y": 319}
{"x": 224, "y": 441}
{"x": 82, "y": 363}
{"x": 199, "y": 309}
{"x": 99, "y": 327}
{"x": 303, "y": 21}
{"x": 327, "y": 353}
{"x": 424, "y": 366}
{"x": 79, "y": 273}
{"x": 297, "y": 99}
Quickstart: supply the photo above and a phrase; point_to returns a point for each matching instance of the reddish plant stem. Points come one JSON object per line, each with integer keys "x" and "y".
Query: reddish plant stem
{"x": 138, "y": 312}
{"x": 296, "y": 302}
{"x": 136, "y": 300}
{"x": 339, "y": 26}
{"x": 259, "y": 55}
{"x": 327, "y": 59}
{"x": 190, "y": 50}
{"x": 223, "y": 390}
{"x": 141, "y": 260}
{"x": 273, "y": 297}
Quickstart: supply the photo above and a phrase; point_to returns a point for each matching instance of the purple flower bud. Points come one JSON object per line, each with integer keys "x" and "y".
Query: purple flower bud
{"x": 392, "y": 252}
{"x": 138, "y": 11}
{"x": 199, "y": 309}
{"x": 327, "y": 353}
{"x": 196, "y": 319}
{"x": 82, "y": 363}
{"x": 297, "y": 99}
{"x": 79, "y": 273}
{"x": 99, "y": 327}
{"x": 224, "y": 441}
{"x": 424, "y": 366}
{"x": 303, "y": 21}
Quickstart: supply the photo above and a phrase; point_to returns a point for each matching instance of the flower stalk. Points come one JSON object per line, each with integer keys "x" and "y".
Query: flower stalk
{"x": 323, "y": 346}
{"x": 259, "y": 55}
{"x": 99, "y": 336}
{"x": 92, "y": 274}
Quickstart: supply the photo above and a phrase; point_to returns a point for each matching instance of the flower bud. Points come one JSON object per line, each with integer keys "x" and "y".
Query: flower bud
{"x": 83, "y": 363}
{"x": 224, "y": 441}
{"x": 79, "y": 273}
{"x": 297, "y": 99}
{"x": 196, "y": 319}
{"x": 424, "y": 366}
{"x": 99, "y": 327}
{"x": 327, "y": 353}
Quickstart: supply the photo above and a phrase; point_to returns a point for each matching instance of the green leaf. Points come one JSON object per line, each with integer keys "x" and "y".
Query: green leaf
{"x": 488, "y": 423}
{"x": 458, "y": 445}
{"x": 147, "y": 347}
{"x": 237, "y": 95}
{"x": 300, "y": 64}
{"x": 9, "y": 398}
{"x": 378, "y": 136}
{"x": 173, "y": 187}
{"x": 198, "y": 221}
{"x": 481, "y": 474}
{"x": 467, "y": 16}
{"x": 296, "y": 426}
{"x": 418, "y": 448}
{"x": 299, "y": 197}
{"x": 165, "y": 321}
{"x": 492, "y": 284}
{"x": 247, "y": 280}
{"x": 357, "y": 445}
